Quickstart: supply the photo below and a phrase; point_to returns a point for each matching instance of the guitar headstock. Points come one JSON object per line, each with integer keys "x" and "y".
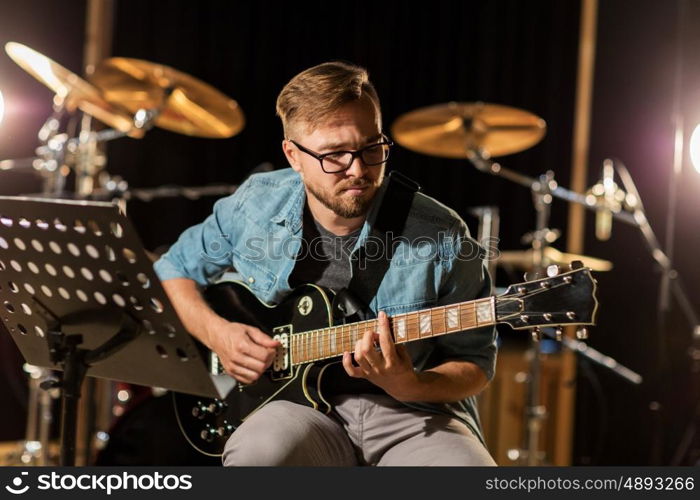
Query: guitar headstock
{"x": 562, "y": 299}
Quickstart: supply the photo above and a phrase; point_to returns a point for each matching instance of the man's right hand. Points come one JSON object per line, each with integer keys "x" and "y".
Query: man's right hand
{"x": 245, "y": 351}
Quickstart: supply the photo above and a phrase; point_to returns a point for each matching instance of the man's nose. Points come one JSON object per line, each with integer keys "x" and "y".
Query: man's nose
{"x": 357, "y": 167}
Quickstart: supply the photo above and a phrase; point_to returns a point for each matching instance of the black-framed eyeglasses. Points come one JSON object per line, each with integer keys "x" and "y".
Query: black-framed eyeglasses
{"x": 339, "y": 161}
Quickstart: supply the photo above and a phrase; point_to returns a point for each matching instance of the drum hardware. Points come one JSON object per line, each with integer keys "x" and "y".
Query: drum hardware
{"x": 449, "y": 130}
{"x": 35, "y": 449}
{"x": 175, "y": 101}
{"x": 129, "y": 95}
{"x": 523, "y": 260}
{"x": 479, "y": 132}
{"x": 59, "y": 154}
{"x": 71, "y": 91}
{"x": 487, "y": 233}
{"x": 178, "y": 102}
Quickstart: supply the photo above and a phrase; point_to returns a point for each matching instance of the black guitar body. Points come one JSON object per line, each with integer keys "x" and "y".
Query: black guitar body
{"x": 303, "y": 323}
{"x": 309, "y": 307}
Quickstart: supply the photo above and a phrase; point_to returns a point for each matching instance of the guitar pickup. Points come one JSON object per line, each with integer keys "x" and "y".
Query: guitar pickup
{"x": 281, "y": 365}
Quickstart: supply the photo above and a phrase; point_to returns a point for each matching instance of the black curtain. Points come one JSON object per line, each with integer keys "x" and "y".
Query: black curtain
{"x": 521, "y": 54}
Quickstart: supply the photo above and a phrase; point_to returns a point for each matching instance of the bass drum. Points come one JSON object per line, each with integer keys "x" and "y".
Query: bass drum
{"x": 147, "y": 434}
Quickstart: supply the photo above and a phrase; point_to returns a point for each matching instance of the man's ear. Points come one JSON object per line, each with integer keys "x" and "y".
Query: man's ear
{"x": 291, "y": 153}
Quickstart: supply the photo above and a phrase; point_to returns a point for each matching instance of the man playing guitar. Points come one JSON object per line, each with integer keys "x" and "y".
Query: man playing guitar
{"x": 392, "y": 404}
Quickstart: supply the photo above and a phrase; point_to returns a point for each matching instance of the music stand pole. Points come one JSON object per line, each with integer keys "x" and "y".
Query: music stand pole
{"x": 64, "y": 351}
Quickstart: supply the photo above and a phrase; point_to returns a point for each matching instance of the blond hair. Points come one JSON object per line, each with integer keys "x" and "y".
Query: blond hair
{"x": 315, "y": 93}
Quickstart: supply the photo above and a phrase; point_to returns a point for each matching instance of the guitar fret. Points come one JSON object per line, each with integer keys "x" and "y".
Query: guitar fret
{"x": 319, "y": 343}
{"x": 297, "y": 342}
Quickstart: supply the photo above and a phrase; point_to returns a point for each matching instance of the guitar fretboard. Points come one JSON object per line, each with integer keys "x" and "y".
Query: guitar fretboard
{"x": 333, "y": 341}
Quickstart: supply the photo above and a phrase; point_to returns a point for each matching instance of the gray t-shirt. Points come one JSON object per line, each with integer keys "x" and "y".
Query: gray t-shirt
{"x": 324, "y": 258}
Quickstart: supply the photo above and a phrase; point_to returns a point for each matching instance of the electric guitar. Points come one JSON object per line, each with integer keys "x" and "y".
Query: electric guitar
{"x": 310, "y": 342}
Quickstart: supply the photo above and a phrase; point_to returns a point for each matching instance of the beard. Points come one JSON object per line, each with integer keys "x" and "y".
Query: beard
{"x": 346, "y": 205}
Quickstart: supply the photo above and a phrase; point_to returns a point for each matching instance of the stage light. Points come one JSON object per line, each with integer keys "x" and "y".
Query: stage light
{"x": 2, "y": 108}
{"x": 695, "y": 148}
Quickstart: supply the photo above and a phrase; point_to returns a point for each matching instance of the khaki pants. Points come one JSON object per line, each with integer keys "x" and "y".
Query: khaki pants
{"x": 365, "y": 429}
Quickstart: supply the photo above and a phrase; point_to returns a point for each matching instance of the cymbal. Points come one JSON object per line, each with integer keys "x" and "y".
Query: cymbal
{"x": 69, "y": 87}
{"x": 524, "y": 259}
{"x": 450, "y": 129}
{"x": 185, "y": 104}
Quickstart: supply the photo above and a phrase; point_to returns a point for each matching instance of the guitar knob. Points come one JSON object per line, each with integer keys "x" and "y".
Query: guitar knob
{"x": 200, "y": 410}
{"x": 225, "y": 430}
{"x": 208, "y": 433}
{"x": 216, "y": 407}
{"x": 582, "y": 333}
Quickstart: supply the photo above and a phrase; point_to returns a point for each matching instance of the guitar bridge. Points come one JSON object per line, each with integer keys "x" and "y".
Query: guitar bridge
{"x": 282, "y": 364}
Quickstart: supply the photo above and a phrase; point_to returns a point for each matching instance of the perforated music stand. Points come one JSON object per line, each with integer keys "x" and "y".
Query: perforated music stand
{"x": 78, "y": 293}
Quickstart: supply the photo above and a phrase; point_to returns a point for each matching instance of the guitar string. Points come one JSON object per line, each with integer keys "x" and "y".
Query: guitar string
{"x": 322, "y": 337}
{"x": 319, "y": 341}
{"x": 412, "y": 320}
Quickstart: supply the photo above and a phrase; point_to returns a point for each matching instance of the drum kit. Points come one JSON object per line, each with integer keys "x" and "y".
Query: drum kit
{"x": 130, "y": 96}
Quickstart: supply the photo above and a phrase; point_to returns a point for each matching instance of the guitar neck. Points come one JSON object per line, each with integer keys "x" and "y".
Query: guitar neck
{"x": 333, "y": 341}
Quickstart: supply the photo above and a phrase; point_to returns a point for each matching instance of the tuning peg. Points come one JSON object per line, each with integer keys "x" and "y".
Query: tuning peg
{"x": 536, "y": 334}
{"x": 531, "y": 276}
{"x": 558, "y": 334}
{"x": 576, "y": 264}
{"x": 553, "y": 270}
{"x": 582, "y": 333}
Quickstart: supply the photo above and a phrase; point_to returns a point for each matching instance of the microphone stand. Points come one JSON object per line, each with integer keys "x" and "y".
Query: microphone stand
{"x": 670, "y": 284}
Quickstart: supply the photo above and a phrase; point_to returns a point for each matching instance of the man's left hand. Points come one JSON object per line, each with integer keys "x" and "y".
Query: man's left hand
{"x": 389, "y": 368}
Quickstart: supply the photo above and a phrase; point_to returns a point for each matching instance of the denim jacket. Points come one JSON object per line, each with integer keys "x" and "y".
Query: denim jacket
{"x": 257, "y": 231}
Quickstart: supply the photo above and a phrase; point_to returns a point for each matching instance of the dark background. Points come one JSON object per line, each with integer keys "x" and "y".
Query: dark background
{"x": 521, "y": 54}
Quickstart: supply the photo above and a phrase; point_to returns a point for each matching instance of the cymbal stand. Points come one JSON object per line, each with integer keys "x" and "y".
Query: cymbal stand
{"x": 543, "y": 191}
{"x": 34, "y": 450}
{"x": 536, "y": 412}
